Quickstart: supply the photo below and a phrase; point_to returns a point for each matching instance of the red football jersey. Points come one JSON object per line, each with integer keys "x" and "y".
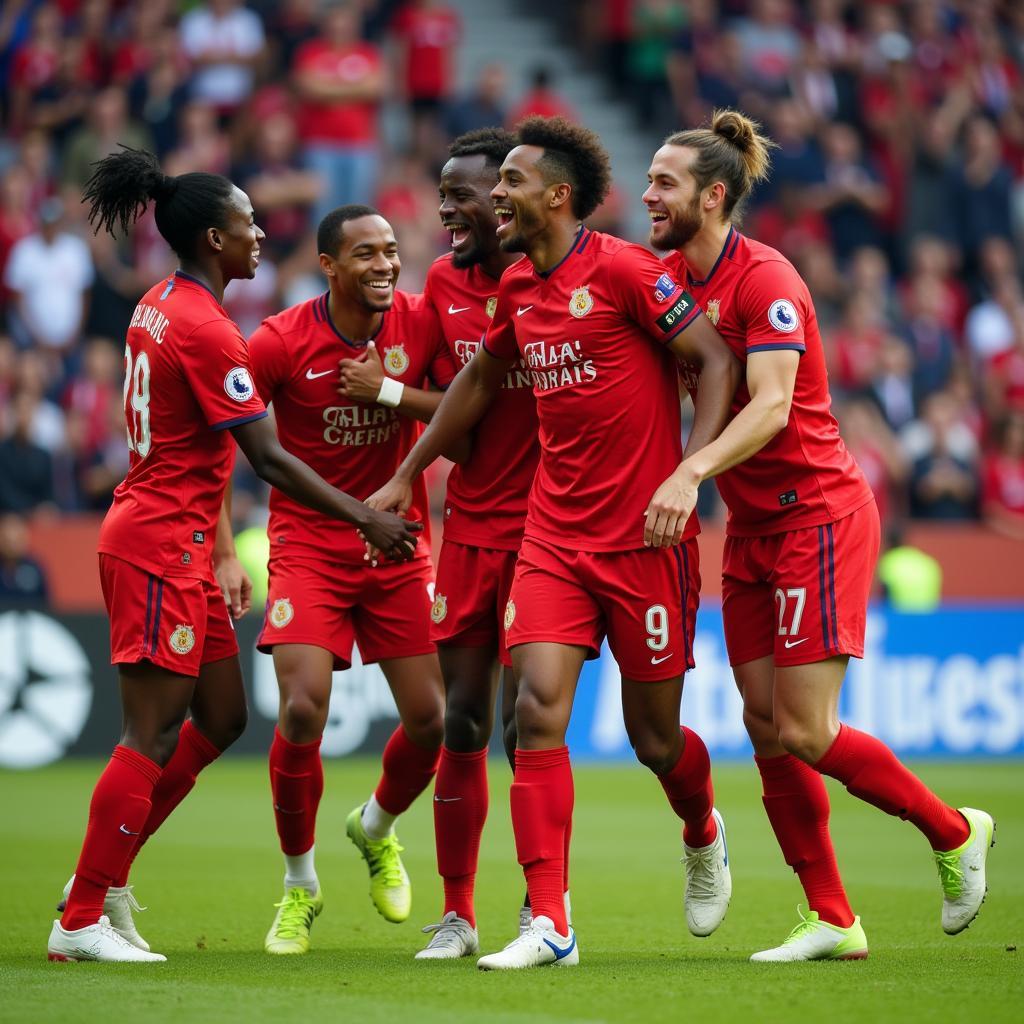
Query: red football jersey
{"x": 804, "y": 476}
{"x": 593, "y": 332}
{"x": 485, "y": 505}
{"x": 187, "y": 378}
{"x": 355, "y": 447}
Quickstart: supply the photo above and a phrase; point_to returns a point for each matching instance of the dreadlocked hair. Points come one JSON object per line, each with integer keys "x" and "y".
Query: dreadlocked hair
{"x": 572, "y": 154}
{"x": 122, "y": 185}
{"x": 494, "y": 144}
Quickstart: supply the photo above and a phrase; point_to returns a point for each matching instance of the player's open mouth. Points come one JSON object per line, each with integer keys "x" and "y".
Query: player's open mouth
{"x": 380, "y": 284}
{"x": 255, "y": 255}
{"x": 505, "y": 216}
{"x": 460, "y": 233}
{"x": 657, "y": 215}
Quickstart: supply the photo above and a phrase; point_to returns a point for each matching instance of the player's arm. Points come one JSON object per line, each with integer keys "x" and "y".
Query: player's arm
{"x": 279, "y": 468}
{"x": 232, "y": 579}
{"x": 461, "y": 408}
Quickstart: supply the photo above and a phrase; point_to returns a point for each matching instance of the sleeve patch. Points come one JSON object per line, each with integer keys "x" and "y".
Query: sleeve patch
{"x": 664, "y": 287}
{"x": 671, "y": 318}
{"x": 783, "y": 317}
{"x": 238, "y": 384}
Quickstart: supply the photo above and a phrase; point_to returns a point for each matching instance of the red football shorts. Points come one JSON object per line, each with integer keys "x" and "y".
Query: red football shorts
{"x": 472, "y": 591}
{"x": 175, "y": 622}
{"x": 386, "y": 610}
{"x": 644, "y": 601}
{"x": 801, "y": 595}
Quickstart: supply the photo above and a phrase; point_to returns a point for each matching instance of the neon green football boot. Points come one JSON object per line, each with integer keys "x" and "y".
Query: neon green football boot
{"x": 814, "y": 939}
{"x": 389, "y": 884}
{"x": 962, "y": 872}
{"x": 289, "y": 934}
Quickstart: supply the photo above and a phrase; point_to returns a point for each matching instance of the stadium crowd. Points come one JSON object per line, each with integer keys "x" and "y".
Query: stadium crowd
{"x": 897, "y": 190}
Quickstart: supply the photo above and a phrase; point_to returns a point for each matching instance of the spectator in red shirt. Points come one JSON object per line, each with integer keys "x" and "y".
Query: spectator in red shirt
{"x": 16, "y": 220}
{"x": 542, "y": 99}
{"x": 340, "y": 83}
{"x": 1002, "y": 480}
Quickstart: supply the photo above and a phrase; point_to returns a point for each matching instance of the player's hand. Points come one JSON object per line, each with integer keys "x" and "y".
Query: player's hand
{"x": 234, "y": 584}
{"x": 669, "y": 510}
{"x": 388, "y": 535}
{"x": 395, "y": 496}
{"x": 360, "y": 379}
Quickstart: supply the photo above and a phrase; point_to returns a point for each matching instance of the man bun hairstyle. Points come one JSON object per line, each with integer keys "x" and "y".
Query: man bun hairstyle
{"x": 329, "y": 233}
{"x": 123, "y": 184}
{"x": 494, "y": 144}
{"x": 572, "y": 154}
{"x": 733, "y": 151}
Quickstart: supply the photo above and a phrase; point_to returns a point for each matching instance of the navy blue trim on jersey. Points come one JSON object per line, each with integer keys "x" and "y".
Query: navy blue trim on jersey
{"x": 349, "y": 341}
{"x": 731, "y": 240}
{"x": 318, "y": 314}
{"x": 697, "y": 311}
{"x": 228, "y": 424}
{"x": 578, "y": 245}
{"x": 683, "y": 570}
{"x": 196, "y": 280}
{"x": 822, "y": 595}
{"x": 149, "y": 612}
{"x": 832, "y": 583}
{"x": 779, "y": 346}
{"x": 153, "y": 635}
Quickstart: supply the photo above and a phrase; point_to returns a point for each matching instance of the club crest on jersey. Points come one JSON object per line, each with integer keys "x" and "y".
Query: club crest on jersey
{"x": 510, "y": 613}
{"x": 396, "y": 362}
{"x": 439, "y": 609}
{"x": 182, "y": 639}
{"x": 492, "y": 305}
{"x": 238, "y": 384}
{"x": 782, "y": 316}
{"x": 281, "y": 613}
{"x": 582, "y": 302}
{"x": 664, "y": 287}
{"x": 712, "y": 311}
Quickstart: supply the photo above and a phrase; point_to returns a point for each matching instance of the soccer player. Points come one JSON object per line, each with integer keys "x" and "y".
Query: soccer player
{"x": 187, "y": 390}
{"x": 802, "y": 540}
{"x": 484, "y": 515}
{"x": 606, "y": 550}
{"x": 323, "y": 595}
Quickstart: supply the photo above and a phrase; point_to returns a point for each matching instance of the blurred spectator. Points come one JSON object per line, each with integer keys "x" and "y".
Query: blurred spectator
{"x": 989, "y": 328}
{"x": 542, "y": 99}
{"x": 49, "y": 274}
{"x": 26, "y": 469}
{"x": 929, "y": 206}
{"x": 931, "y": 341}
{"x": 107, "y": 127}
{"x": 892, "y": 384}
{"x": 22, "y": 578}
{"x": 340, "y": 82}
{"x": 1002, "y": 488}
{"x": 134, "y": 51}
{"x": 224, "y": 41}
{"x": 943, "y": 482}
{"x": 911, "y": 578}
{"x": 202, "y": 146}
{"x": 289, "y": 24}
{"x": 160, "y": 89}
{"x": 1004, "y": 374}
{"x": 483, "y": 107}
{"x": 769, "y": 46}
{"x": 91, "y": 393}
{"x": 34, "y": 64}
{"x": 428, "y": 32}
{"x": 654, "y": 24}
{"x": 855, "y": 345}
{"x": 877, "y": 451}
{"x": 16, "y": 219}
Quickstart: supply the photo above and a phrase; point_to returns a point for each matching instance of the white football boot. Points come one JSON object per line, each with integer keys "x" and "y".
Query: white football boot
{"x": 962, "y": 872}
{"x": 708, "y": 882}
{"x": 118, "y": 906}
{"x": 538, "y": 946}
{"x": 96, "y": 942}
{"x": 526, "y": 913}
{"x": 453, "y": 937}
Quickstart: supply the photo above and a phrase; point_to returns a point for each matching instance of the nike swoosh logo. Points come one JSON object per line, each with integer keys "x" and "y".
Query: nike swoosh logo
{"x": 794, "y": 643}
{"x": 452, "y": 310}
{"x": 310, "y": 375}
{"x": 658, "y": 661}
{"x": 561, "y": 953}
{"x": 520, "y": 311}
{"x": 446, "y": 799}
{"x": 127, "y": 832}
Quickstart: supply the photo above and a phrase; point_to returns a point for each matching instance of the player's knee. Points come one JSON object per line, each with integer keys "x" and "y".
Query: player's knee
{"x": 800, "y": 740}
{"x": 425, "y": 726}
{"x": 467, "y": 725}
{"x": 532, "y": 717}
{"x": 658, "y": 753}
{"x": 303, "y": 715}
{"x": 760, "y": 728}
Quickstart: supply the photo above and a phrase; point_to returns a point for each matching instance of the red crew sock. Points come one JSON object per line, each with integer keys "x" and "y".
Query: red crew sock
{"x": 542, "y": 799}
{"x": 192, "y": 754}
{"x": 872, "y": 772}
{"x": 408, "y": 770}
{"x": 460, "y": 810}
{"x": 796, "y": 801}
{"x": 117, "y": 815}
{"x": 565, "y": 856}
{"x": 690, "y": 792}
{"x": 297, "y": 783}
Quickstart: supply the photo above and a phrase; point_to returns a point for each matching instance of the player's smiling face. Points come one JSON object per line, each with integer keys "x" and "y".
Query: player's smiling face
{"x": 466, "y": 210}
{"x": 673, "y": 199}
{"x": 520, "y": 199}
{"x": 365, "y": 269}
{"x": 240, "y": 238}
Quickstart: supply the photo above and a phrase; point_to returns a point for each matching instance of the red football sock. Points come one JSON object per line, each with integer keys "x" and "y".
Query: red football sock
{"x": 690, "y": 792}
{"x": 565, "y": 856}
{"x": 117, "y": 814}
{"x": 872, "y": 772}
{"x": 408, "y": 770}
{"x": 542, "y": 799}
{"x": 297, "y": 783}
{"x": 797, "y": 804}
{"x": 460, "y": 810}
{"x": 192, "y": 754}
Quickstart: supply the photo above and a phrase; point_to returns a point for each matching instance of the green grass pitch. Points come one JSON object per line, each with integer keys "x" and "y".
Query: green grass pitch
{"x": 212, "y": 874}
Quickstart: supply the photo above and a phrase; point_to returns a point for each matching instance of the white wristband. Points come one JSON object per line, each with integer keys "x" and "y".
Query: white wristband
{"x": 390, "y": 392}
